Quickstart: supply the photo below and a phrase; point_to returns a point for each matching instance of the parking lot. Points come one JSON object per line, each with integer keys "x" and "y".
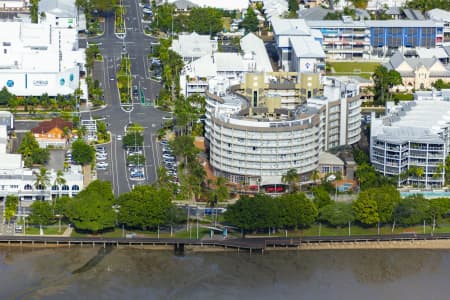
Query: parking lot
{"x": 170, "y": 161}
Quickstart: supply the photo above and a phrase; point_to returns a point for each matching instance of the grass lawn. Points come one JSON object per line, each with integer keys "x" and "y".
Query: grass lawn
{"x": 358, "y": 230}
{"x": 117, "y": 233}
{"x": 47, "y": 230}
{"x": 354, "y": 67}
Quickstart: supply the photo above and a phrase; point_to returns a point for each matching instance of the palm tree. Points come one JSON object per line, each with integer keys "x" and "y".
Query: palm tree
{"x": 163, "y": 177}
{"x": 66, "y": 133}
{"x": 42, "y": 179}
{"x": 291, "y": 177}
{"x": 59, "y": 180}
{"x": 315, "y": 175}
{"x": 221, "y": 191}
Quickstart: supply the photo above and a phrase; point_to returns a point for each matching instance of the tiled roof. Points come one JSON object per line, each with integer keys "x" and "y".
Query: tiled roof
{"x": 46, "y": 126}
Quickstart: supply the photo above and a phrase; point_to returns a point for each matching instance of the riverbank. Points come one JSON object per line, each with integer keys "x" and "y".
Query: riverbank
{"x": 361, "y": 245}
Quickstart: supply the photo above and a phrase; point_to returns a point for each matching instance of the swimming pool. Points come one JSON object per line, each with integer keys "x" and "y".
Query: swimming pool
{"x": 427, "y": 194}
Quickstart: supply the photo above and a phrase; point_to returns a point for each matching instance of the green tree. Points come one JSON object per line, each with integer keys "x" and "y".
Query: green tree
{"x": 28, "y": 145}
{"x": 221, "y": 192}
{"x": 41, "y": 213}
{"x": 92, "y": 209}
{"x": 11, "y": 204}
{"x": 337, "y": 214}
{"x": 6, "y": 97}
{"x": 365, "y": 209}
{"x": 82, "y": 153}
{"x": 163, "y": 177}
{"x": 321, "y": 197}
{"x": 387, "y": 198}
{"x": 250, "y": 22}
{"x": 133, "y": 140}
{"x": 205, "y": 20}
{"x": 291, "y": 177}
{"x": 103, "y": 6}
{"x": 184, "y": 146}
{"x": 250, "y": 214}
{"x": 412, "y": 210}
{"x": 145, "y": 207}
{"x": 293, "y": 8}
{"x": 296, "y": 211}
{"x": 40, "y": 156}
{"x": 34, "y": 8}
{"x": 384, "y": 80}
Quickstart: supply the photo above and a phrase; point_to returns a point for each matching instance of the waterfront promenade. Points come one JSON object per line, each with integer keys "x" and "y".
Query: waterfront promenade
{"x": 239, "y": 244}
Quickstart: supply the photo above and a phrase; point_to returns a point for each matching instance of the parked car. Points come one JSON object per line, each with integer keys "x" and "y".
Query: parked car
{"x": 119, "y": 137}
{"x": 101, "y": 157}
{"x": 101, "y": 165}
{"x": 169, "y": 156}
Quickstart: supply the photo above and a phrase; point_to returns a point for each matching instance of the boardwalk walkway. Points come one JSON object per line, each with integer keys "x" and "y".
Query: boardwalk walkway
{"x": 246, "y": 244}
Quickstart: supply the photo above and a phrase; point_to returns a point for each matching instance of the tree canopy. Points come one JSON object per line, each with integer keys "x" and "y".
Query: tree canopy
{"x": 92, "y": 209}
{"x": 384, "y": 80}
{"x": 41, "y": 213}
{"x": 250, "y": 22}
{"x": 337, "y": 213}
{"x": 82, "y": 153}
{"x": 262, "y": 212}
{"x": 412, "y": 210}
{"x": 145, "y": 207}
{"x": 31, "y": 152}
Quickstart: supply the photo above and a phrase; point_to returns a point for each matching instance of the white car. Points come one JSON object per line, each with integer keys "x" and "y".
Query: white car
{"x": 102, "y": 164}
{"x": 119, "y": 137}
{"x": 101, "y": 157}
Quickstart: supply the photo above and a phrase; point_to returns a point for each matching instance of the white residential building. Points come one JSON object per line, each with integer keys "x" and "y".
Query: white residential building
{"x": 413, "y": 136}
{"x": 307, "y": 55}
{"x": 254, "y": 139}
{"x": 220, "y": 70}
{"x": 20, "y": 181}
{"x": 284, "y": 30}
{"x": 58, "y": 13}
{"x": 37, "y": 59}
{"x": 192, "y": 46}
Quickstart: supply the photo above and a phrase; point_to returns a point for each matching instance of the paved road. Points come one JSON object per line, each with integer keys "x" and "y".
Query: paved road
{"x": 137, "y": 44}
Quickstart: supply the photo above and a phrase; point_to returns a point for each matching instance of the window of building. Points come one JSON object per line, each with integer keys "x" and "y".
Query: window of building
{"x": 255, "y": 98}
{"x": 75, "y": 187}
{"x": 65, "y": 187}
{"x": 28, "y": 187}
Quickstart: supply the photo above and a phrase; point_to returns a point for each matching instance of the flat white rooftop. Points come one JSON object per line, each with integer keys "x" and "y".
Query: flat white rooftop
{"x": 432, "y": 114}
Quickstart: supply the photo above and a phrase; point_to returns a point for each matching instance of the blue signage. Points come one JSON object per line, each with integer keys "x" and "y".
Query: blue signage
{"x": 62, "y": 81}
{"x": 10, "y": 83}
{"x": 71, "y": 77}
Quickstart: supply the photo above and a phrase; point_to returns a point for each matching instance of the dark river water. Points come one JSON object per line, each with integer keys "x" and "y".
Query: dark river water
{"x": 151, "y": 274}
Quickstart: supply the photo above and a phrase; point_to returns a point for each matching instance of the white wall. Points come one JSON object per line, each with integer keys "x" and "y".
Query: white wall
{"x": 36, "y": 84}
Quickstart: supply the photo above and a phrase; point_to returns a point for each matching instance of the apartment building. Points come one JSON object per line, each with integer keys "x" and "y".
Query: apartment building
{"x": 254, "y": 137}
{"x": 284, "y": 30}
{"x": 411, "y": 142}
{"x": 220, "y": 70}
{"x": 192, "y": 46}
{"x": 348, "y": 39}
{"x": 343, "y": 39}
